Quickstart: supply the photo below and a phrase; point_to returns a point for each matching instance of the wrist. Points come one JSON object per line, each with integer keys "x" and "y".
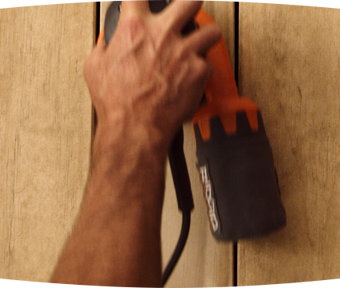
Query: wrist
{"x": 132, "y": 149}
{"x": 126, "y": 139}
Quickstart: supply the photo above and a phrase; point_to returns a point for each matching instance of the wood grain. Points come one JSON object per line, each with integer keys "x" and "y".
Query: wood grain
{"x": 204, "y": 262}
{"x": 290, "y": 66}
{"x": 45, "y": 133}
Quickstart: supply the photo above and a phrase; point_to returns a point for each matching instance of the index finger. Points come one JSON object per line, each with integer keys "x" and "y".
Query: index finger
{"x": 179, "y": 12}
{"x": 135, "y": 7}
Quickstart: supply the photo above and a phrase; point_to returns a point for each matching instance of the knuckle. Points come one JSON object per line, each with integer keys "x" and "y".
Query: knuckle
{"x": 179, "y": 54}
{"x": 202, "y": 69}
{"x": 132, "y": 26}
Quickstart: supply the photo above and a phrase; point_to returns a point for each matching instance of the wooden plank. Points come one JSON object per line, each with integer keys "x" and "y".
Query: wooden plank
{"x": 204, "y": 262}
{"x": 45, "y": 133}
{"x": 289, "y": 65}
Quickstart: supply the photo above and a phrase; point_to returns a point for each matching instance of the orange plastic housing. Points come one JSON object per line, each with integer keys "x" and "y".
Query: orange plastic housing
{"x": 221, "y": 92}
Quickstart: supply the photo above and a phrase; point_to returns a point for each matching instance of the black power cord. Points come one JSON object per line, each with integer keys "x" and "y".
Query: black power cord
{"x": 185, "y": 201}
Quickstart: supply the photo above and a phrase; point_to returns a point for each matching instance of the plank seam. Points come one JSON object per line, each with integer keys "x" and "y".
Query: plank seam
{"x": 237, "y": 18}
{"x": 236, "y": 65}
{"x": 97, "y": 19}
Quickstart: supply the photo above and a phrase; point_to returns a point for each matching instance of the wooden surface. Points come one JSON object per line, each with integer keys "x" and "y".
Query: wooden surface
{"x": 204, "y": 261}
{"x": 289, "y": 64}
{"x": 45, "y": 133}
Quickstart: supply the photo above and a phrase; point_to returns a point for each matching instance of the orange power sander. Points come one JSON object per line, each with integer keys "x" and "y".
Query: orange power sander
{"x": 234, "y": 157}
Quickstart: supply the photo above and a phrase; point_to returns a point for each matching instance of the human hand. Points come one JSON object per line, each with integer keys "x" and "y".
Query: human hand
{"x": 150, "y": 76}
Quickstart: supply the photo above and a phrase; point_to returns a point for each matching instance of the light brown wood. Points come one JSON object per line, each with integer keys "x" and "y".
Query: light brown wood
{"x": 204, "y": 262}
{"x": 289, "y": 65}
{"x": 45, "y": 133}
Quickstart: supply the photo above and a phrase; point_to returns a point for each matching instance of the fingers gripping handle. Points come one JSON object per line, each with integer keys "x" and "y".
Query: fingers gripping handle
{"x": 221, "y": 91}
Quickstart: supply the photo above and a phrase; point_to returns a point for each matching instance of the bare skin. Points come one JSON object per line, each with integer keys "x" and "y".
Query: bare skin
{"x": 143, "y": 85}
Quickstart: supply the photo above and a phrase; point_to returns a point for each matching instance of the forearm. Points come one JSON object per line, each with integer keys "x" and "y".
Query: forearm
{"x": 116, "y": 240}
